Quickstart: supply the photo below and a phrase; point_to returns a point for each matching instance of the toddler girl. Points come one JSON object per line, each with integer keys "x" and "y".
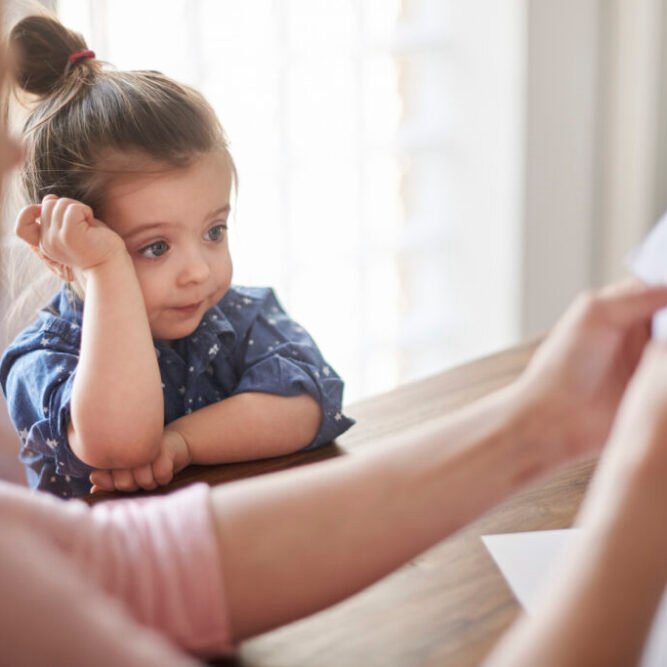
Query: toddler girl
{"x": 147, "y": 359}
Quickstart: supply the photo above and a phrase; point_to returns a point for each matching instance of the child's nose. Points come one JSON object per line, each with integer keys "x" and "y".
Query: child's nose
{"x": 195, "y": 269}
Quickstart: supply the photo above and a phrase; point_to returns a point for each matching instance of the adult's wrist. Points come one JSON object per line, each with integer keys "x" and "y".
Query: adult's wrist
{"x": 541, "y": 425}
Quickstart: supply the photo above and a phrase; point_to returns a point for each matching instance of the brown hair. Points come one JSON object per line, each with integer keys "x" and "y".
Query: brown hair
{"x": 88, "y": 116}
{"x": 86, "y": 123}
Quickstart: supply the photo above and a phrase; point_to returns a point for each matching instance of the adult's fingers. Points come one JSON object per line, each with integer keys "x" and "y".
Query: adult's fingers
{"x": 653, "y": 359}
{"x": 630, "y": 302}
{"x": 641, "y": 426}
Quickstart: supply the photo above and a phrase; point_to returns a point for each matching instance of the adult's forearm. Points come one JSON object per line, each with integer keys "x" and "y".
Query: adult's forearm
{"x": 300, "y": 540}
{"x": 249, "y": 426}
{"x": 598, "y": 607}
{"x": 117, "y": 406}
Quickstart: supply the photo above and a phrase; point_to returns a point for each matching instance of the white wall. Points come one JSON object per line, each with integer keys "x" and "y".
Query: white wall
{"x": 630, "y": 125}
{"x": 596, "y": 141}
{"x": 487, "y": 163}
{"x": 561, "y": 101}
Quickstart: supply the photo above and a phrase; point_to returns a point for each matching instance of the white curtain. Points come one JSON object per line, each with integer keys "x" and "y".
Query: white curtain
{"x": 378, "y": 148}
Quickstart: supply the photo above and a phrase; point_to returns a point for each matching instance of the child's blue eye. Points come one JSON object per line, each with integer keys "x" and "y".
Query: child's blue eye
{"x": 216, "y": 232}
{"x": 154, "y": 250}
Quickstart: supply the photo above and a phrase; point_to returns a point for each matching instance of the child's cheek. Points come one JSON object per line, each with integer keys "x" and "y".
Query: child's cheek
{"x": 147, "y": 283}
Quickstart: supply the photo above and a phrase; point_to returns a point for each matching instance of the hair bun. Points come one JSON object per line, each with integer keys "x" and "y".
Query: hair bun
{"x": 41, "y": 48}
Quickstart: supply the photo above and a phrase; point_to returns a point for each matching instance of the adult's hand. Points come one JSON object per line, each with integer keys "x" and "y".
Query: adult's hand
{"x": 610, "y": 584}
{"x": 634, "y": 463}
{"x": 576, "y": 379}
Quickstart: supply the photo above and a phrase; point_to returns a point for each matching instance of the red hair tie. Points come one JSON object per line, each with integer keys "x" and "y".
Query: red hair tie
{"x": 80, "y": 55}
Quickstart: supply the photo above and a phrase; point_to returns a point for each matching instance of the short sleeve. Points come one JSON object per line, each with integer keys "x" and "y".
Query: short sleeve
{"x": 53, "y": 614}
{"x": 278, "y": 356}
{"x": 38, "y": 386}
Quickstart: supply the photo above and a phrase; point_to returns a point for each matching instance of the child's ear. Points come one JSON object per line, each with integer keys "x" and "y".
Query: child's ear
{"x": 61, "y": 270}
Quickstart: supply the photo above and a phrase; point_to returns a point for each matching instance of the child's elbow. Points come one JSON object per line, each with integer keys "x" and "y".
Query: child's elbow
{"x": 309, "y": 421}
{"x": 115, "y": 448}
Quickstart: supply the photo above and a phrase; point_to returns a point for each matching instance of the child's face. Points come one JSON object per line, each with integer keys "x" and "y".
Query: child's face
{"x": 174, "y": 227}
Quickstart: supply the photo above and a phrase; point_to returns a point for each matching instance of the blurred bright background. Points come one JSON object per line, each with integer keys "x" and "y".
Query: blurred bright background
{"x": 422, "y": 181}
{"x": 378, "y": 147}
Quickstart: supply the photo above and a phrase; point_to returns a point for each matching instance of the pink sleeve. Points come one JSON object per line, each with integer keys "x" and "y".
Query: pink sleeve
{"x": 51, "y": 615}
{"x": 158, "y": 556}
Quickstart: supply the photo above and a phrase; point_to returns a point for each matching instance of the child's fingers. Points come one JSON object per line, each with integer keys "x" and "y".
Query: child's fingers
{"x": 33, "y": 232}
{"x": 70, "y": 210}
{"x": 163, "y": 470}
{"x": 123, "y": 480}
{"x": 77, "y": 219}
{"x": 27, "y": 228}
{"x": 75, "y": 211}
{"x": 102, "y": 479}
{"x": 47, "y": 206}
{"x": 66, "y": 213}
{"x": 143, "y": 476}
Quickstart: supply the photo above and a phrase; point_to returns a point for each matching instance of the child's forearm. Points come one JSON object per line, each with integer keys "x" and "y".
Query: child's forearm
{"x": 117, "y": 409}
{"x": 243, "y": 427}
{"x": 249, "y": 426}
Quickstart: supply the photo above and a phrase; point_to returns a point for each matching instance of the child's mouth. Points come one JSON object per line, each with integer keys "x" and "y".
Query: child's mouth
{"x": 189, "y": 309}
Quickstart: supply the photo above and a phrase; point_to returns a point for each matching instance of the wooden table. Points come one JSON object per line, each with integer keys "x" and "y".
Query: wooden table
{"x": 446, "y": 607}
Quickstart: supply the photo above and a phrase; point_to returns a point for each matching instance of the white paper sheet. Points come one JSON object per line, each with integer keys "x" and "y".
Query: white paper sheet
{"x": 526, "y": 560}
{"x": 649, "y": 262}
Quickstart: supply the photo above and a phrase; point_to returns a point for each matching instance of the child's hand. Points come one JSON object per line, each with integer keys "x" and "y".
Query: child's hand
{"x": 66, "y": 235}
{"x": 174, "y": 455}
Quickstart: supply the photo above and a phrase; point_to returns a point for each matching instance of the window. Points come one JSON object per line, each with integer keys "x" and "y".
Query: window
{"x": 378, "y": 151}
